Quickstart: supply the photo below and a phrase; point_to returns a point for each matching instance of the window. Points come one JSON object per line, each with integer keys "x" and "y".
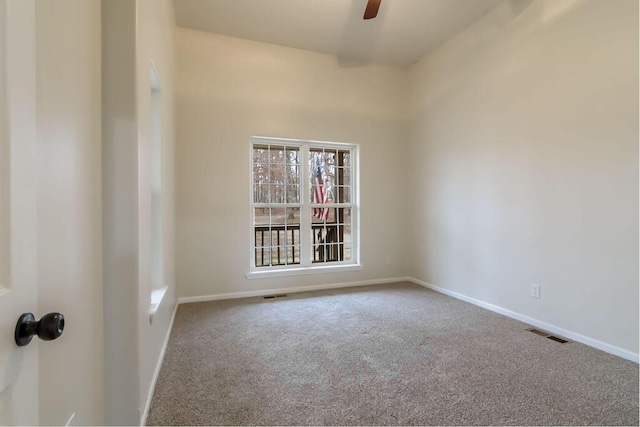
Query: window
{"x": 304, "y": 205}
{"x": 157, "y": 233}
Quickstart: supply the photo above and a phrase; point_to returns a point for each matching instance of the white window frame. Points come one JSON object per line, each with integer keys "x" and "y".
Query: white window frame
{"x": 306, "y": 266}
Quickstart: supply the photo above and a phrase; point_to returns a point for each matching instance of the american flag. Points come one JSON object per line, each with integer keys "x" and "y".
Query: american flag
{"x": 320, "y": 195}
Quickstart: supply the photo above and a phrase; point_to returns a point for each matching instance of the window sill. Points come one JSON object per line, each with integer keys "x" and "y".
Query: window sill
{"x": 303, "y": 271}
{"x": 157, "y": 295}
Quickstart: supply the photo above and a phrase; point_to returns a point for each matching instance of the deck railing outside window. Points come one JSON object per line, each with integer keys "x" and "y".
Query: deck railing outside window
{"x": 301, "y": 188}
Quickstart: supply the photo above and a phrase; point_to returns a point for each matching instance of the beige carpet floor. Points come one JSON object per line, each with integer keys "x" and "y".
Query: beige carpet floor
{"x": 380, "y": 355}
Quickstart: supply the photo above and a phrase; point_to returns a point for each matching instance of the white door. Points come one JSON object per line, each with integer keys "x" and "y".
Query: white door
{"x": 18, "y": 260}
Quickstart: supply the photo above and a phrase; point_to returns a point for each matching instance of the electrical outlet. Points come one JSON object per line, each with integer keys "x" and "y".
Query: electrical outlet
{"x": 535, "y": 291}
{"x": 388, "y": 260}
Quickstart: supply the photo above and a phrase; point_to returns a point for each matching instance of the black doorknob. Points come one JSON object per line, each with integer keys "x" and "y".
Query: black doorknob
{"x": 48, "y": 328}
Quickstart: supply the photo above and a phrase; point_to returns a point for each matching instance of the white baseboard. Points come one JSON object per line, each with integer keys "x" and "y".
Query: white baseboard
{"x": 265, "y": 292}
{"x": 152, "y": 387}
{"x": 608, "y": 348}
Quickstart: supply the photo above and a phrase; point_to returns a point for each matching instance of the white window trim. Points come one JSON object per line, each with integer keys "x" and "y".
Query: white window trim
{"x": 305, "y": 214}
{"x": 278, "y": 271}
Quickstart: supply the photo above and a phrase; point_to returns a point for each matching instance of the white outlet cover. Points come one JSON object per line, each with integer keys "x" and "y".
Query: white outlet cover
{"x": 535, "y": 291}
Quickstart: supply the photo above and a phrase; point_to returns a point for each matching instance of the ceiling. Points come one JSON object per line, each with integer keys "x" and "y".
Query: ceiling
{"x": 403, "y": 32}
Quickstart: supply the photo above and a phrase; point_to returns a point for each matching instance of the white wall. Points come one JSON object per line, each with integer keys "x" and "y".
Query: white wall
{"x": 227, "y": 90}
{"x": 134, "y": 34}
{"x": 120, "y": 212}
{"x": 69, "y": 209}
{"x": 524, "y": 164}
{"x": 155, "y": 43}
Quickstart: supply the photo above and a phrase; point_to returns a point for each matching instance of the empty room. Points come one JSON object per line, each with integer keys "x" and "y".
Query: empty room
{"x": 319, "y": 212}
{"x": 482, "y": 149}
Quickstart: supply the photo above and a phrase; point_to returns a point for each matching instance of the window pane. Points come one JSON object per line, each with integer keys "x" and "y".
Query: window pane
{"x": 293, "y": 194}
{"x": 293, "y": 155}
{"x": 330, "y": 157}
{"x": 347, "y": 252}
{"x": 260, "y": 154}
{"x": 331, "y": 193}
{"x": 261, "y": 216}
{"x": 290, "y": 256}
{"x": 344, "y": 194}
{"x": 276, "y": 154}
{"x": 259, "y": 258}
{"x": 346, "y": 158}
{"x": 265, "y": 257}
{"x": 322, "y": 215}
{"x": 278, "y": 255}
{"x": 325, "y": 245}
{"x": 276, "y": 174}
{"x": 277, "y": 216}
{"x": 331, "y": 239}
{"x": 292, "y": 235}
{"x": 326, "y": 178}
{"x": 293, "y": 216}
{"x": 345, "y": 225}
{"x": 276, "y": 194}
{"x": 262, "y": 239}
{"x": 292, "y": 174}
{"x": 260, "y": 193}
{"x": 321, "y": 185}
{"x": 343, "y": 176}
{"x": 260, "y": 173}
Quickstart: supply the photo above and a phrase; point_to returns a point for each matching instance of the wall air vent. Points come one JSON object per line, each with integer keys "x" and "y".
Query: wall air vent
{"x": 275, "y": 296}
{"x": 547, "y": 335}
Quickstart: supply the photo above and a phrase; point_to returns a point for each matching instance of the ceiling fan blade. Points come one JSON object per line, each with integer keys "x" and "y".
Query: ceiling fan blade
{"x": 372, "y": 9}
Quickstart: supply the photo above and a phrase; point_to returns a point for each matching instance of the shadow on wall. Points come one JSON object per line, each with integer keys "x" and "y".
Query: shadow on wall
{"x": 518, "y": 6}
{"x": 547, "y": 14}
{"x": 365, "y": 33}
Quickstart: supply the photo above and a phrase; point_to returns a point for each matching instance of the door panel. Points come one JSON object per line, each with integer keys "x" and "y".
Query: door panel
{"x": 18, "y": 260}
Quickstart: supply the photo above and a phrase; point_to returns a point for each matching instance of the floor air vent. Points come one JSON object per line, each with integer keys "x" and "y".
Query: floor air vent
{"x": 547, "y": 335}
{"x": 275, "y": 296}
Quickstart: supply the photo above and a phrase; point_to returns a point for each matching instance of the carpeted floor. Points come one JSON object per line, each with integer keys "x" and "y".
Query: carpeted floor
{"x": 380, "y": 355}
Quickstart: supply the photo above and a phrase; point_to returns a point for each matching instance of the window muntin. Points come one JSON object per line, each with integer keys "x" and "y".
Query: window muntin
{"x": 296, "y": 225}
